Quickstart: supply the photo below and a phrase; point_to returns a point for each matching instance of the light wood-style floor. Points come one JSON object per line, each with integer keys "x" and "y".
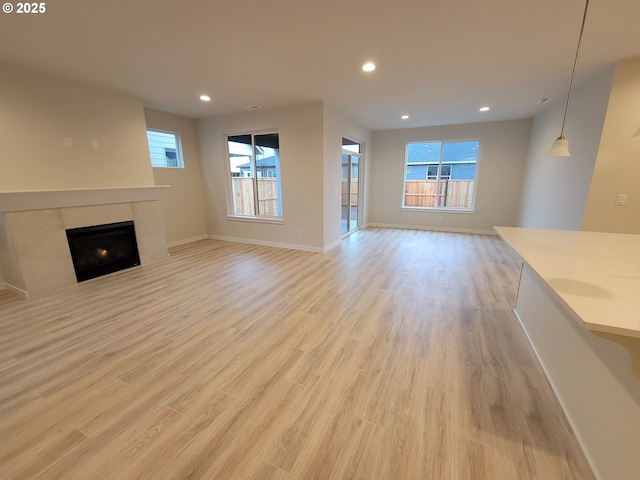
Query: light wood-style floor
{"x": 394, "y": 356}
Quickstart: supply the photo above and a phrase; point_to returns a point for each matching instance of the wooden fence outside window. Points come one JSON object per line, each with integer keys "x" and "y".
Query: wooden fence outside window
{"x": 345, "y": 192}
{"x": 419, "y": 193}
{"x": 445, "y": 193}
{"x": 242, "y": 193}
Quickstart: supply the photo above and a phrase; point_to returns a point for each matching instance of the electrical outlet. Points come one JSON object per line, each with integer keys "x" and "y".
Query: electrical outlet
{"x": 67, "y": 142}
{"x": 335, "y": 191}
{"x": 621, "y": 200}
{"x": 95, "y": 144}
{"x": 298, "y": 232}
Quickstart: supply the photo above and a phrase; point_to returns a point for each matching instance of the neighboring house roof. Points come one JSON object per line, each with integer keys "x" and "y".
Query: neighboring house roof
{"x": 454, "y": 152}
{"x": 263, "y": 163}
{"x": 445, "y": 162}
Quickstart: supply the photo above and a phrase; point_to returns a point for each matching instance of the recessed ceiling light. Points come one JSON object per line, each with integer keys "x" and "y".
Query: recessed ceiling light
{"x": 368, "y": 67}
{"x": 485, "y": 109}
{"x": 205, "y": 98}
{"x": 404, "y": 117}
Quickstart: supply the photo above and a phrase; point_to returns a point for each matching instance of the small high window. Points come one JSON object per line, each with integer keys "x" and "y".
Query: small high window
{"x": 165, "y": 149}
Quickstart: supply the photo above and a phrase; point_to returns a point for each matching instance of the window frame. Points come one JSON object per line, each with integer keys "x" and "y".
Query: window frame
{"x": 448, "y": 209}
{"x": 178, "y": 141}
{"x": 279, "y": 219}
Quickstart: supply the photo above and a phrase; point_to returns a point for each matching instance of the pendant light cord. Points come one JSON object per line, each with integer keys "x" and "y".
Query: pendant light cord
{"x": 575, "y": 63}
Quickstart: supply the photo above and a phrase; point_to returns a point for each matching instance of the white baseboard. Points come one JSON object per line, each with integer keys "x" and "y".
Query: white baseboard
{"x": 332, "y": 245}
{"x": 16, "y": 290}
{"x": 187, "y": 240}
{"x": 291, "y": 246}
{"x": 432, "y": 228}
{"x": 577, "y": 431}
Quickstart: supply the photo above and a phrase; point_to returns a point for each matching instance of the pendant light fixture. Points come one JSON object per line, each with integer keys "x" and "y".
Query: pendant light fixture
{"x": 560, "y": 147}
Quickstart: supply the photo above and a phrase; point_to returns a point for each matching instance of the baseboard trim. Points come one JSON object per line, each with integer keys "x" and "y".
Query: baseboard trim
{"x": 184, "y": 241}
{"x": 16, "y": 290}
{"x": 250, "y": 241}
{"x": 327, "y": 248}
{"x": 574, "y": 427}
{"x": 332, "y": 245}
{"x": 432, "y": 228}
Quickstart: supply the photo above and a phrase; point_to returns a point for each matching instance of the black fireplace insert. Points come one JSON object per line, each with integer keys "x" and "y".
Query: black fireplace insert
{"x": 103, "y": 249}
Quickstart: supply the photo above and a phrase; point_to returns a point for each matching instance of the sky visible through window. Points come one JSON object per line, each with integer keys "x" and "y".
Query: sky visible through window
{"x": 429, "y": 152}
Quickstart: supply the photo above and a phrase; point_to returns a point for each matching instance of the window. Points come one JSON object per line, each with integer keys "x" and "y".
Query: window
{"x": 441, "y": 174}
{"x": 432, "y": 172}
{"x": 351, "y": 145}
{"x": 254, "y": 170}
{"x": 165, "y": 149}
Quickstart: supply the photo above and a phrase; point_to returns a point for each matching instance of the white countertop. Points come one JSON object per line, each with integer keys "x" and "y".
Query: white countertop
{"x": 596, "y": 275}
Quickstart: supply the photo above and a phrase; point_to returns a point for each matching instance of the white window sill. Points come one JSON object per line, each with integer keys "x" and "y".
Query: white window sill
{"x": 440, "y": 210}
{"x": 273, "y": 220}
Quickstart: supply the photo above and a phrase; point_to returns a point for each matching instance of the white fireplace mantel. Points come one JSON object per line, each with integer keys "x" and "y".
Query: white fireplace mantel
{"x": 21, "y": 200}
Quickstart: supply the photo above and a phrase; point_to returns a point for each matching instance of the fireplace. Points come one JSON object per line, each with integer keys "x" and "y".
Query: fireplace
{"x": 102, "y": 249}
{"x": 35, "y": 256}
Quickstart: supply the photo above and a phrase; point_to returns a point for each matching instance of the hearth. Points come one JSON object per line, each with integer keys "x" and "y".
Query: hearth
{"x": 102, "y": 249}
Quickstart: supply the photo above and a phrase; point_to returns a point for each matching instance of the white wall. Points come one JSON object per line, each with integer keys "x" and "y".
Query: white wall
{"x": 336, "y": 126}
{"x": 183, "y": 203}
{"x": 555, "y": 189}
{"x": 302, "y": 163}
{"x": 617, "y": 169}
{"x": 500, "y": 173}
{"x": 38, "y": 111}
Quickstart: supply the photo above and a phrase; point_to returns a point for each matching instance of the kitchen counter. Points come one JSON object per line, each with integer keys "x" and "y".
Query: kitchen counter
{"x": 595, "y": 275}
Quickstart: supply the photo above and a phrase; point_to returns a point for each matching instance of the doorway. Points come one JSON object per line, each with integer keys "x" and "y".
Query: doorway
{"x": 350, "y": 198}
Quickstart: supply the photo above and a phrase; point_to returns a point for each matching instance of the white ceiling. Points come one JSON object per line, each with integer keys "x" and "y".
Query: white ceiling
{"x": 438, "y": 60}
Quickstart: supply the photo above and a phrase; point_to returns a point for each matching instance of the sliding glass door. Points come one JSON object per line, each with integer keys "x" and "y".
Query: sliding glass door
{"x": 351, "y": 159}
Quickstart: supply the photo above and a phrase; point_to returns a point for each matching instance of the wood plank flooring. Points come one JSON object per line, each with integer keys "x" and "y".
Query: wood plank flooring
{"x": 396, "y": 356}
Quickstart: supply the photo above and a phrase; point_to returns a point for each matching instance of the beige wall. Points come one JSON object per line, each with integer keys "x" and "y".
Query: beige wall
{"x": 617, "y": 168}
{"x": 337, "y": 126}
{"x": 38, "y": 111}
{"x": 555, "y": 190}
{"x": 302, "y": 159}
{"x": 500, "y": 173}
{"x": 183, "y": 203}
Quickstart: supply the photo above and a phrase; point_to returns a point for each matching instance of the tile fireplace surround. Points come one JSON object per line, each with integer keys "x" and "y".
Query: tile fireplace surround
{"x": 34, "y": 252}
